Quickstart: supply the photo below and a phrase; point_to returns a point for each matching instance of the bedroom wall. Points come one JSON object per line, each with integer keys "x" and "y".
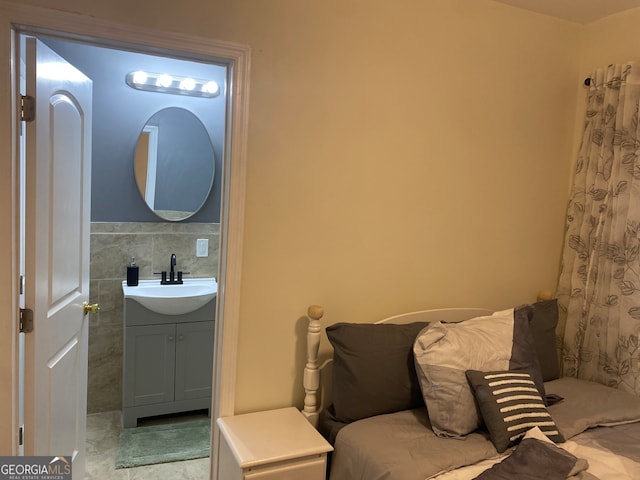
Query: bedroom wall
{"x": 611, "y": 40}
{"x": 422, "y": 161}
{"x": 402, "y": 155}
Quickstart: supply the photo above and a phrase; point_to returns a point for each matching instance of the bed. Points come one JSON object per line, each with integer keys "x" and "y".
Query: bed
{"x": 422, "y": 396}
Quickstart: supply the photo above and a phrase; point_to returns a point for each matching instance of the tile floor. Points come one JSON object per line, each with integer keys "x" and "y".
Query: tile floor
{"x": 103, "y": 432}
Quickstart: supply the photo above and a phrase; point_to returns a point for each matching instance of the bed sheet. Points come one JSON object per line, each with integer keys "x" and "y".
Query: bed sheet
{"x": 402, "y": 446}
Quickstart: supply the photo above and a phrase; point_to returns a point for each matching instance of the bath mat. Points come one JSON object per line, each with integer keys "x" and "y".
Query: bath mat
{"x": 164, "y": 443}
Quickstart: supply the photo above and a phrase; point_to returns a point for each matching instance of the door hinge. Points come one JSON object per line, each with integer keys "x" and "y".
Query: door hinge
{"x": 26, "y": 320}
{"x": 21, "y": 436}
{"x": 27, "y": 108}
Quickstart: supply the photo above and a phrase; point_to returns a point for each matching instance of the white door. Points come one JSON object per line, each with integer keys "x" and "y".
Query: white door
{"x": 58, "y": 172}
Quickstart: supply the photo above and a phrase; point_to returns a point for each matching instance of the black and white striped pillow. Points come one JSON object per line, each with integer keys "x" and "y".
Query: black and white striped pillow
{"x": 510, "y": 405}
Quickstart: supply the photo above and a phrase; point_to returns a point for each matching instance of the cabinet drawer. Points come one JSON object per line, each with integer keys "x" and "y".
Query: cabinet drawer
{"x": 312, "y": 468}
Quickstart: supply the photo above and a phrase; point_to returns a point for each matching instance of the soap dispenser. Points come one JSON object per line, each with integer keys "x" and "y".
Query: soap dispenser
{"x": 132, "y": 273}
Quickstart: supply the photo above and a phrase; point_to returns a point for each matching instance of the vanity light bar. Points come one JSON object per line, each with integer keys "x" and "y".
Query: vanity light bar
{"x": 164, "y": 83}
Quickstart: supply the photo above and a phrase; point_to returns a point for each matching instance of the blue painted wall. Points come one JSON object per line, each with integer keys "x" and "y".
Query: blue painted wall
{"x": 120, "y": 113}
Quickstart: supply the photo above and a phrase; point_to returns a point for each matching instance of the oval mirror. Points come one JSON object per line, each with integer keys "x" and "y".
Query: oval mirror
{"x": 174, "y": 163}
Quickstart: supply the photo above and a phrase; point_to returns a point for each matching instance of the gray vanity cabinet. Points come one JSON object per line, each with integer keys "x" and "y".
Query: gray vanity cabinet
{"x": 168, "y": 362}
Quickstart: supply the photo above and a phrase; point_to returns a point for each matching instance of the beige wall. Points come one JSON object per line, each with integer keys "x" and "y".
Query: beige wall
{"x": 610, "y": 40}
{"x": 402, "y": 155}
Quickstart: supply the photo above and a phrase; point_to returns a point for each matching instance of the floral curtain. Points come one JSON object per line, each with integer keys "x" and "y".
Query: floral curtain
{"x": 599, "y": 284}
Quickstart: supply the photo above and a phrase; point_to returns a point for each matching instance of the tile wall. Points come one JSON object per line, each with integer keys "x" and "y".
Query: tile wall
{"x": 112, "y": 246}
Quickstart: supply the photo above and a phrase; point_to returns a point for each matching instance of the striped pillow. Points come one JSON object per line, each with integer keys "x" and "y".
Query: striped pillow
{"x": 510, "y": 405}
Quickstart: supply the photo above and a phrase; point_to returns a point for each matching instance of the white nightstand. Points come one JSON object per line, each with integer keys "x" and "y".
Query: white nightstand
{"x": 271, "y": 445}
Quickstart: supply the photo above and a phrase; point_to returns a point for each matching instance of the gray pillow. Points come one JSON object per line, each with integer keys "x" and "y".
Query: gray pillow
{"x": 511, "y": 404}
{"x": 444, "y": 352}
{"x": 373, "y": 369}
{"x": 543, "y": 329}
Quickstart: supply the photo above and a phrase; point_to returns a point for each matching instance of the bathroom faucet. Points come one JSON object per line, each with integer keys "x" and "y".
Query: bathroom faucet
{"x": 175, "y": 277}
{"x": 173, "y": 265}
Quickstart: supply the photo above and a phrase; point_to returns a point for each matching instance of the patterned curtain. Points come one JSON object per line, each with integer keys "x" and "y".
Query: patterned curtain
{"x": 599, "y": 283}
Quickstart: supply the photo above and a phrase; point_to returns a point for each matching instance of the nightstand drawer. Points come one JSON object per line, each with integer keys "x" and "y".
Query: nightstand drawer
{"x": 313, "y": 468}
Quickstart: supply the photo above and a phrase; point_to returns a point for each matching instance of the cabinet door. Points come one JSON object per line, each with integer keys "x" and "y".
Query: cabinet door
{"x": 194, "y": 360}
{"x": 149, "y": 364}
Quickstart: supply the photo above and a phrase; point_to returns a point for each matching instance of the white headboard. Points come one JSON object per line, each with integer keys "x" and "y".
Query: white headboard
{"x": 317, "y": 378}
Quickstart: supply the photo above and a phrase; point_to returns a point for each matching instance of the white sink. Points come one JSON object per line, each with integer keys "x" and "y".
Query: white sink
{"x": 192, "y": 294}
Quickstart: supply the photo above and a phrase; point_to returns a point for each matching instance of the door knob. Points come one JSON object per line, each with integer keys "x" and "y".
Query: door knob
{"x": 93, "y": 308}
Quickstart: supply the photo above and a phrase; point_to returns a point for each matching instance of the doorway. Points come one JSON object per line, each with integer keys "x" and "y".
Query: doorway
{"x": 125, "y": 224}
{"x": 35, "y": 21}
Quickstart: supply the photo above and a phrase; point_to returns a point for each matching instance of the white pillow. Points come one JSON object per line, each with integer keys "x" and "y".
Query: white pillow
{"x": 443, "y": 352}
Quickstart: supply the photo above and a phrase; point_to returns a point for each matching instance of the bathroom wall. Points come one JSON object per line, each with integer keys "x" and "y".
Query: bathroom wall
{"x": 120, "y": 113}
{"x": 112, "y": 246}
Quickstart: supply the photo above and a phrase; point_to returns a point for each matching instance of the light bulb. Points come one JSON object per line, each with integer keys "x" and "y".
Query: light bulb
{"x": 187, "y": 84}
{"x": 210, "y": 87}
{"x": 164, "y": 80}
{"x": 139, "y": 77}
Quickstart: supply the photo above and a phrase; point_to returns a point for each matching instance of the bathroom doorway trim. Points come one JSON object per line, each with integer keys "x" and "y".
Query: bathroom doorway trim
{"x": 20, "y": 19}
